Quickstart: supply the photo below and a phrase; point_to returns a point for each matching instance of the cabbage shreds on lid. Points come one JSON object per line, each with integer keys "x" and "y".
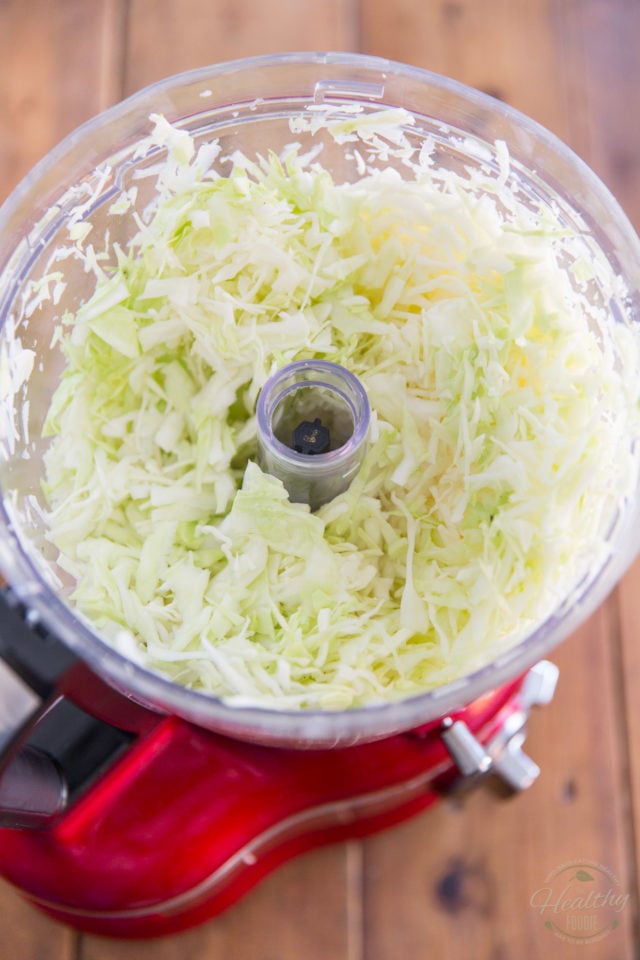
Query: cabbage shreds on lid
{"x": 504, "y": 403}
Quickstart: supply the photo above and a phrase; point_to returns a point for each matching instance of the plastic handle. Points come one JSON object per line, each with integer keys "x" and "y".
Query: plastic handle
{"x": 32, "y": 790}
{"x": 34, "y": 654}
{"x": 52, "y": 749}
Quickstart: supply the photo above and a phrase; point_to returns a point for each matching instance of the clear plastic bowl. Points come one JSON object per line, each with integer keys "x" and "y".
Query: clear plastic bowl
{"x": 248, "y": 104}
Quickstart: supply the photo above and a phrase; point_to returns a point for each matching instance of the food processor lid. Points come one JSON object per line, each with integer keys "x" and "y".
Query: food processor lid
{"x": 243, "y": 93}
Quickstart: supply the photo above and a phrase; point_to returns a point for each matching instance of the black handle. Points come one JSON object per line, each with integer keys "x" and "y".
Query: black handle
{"x": 53, "y": 748}
{"x": 32, "y": 652}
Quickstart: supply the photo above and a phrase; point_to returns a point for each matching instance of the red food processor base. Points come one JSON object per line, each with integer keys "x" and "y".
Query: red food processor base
{"x": 187, "y": 821}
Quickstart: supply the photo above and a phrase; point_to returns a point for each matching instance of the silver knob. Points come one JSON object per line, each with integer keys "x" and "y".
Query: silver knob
{"x": 503, "y": 754}
{"x": 470, "y": 756}
{"x": 514, "y": 766}
{"x": 539, "y": 684}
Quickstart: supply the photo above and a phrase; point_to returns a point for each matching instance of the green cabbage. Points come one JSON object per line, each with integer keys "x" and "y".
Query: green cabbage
{"x": 500, "y": 445}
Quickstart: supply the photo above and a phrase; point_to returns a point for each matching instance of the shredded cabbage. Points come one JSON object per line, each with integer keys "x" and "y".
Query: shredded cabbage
{"x": 504, "y": 407}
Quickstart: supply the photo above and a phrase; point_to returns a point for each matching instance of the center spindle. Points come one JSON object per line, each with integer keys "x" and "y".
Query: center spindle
{"x": 313, "y": 419}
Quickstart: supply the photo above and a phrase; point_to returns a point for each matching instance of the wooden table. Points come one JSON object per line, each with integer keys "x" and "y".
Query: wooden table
{"x": 455, "y": 882}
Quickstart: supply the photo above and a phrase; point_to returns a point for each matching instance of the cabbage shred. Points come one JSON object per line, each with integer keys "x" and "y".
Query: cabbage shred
{"x": 500, "y": 446}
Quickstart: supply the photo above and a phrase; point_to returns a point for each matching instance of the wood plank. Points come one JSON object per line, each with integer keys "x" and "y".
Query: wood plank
{"x": 28, "y": 934}
{"x": 466, "y": 873}
{"x": 299, "y": 912}
{"x": 166, "y": 37}
{"x": 55, "y": 73}
{"x": 610, "y": 36}
{"x": 628, "y": 596}
{"x": 504, "y": 47}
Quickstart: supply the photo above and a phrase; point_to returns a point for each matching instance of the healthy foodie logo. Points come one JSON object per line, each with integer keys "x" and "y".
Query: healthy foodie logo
{"x": 580, "y": 901}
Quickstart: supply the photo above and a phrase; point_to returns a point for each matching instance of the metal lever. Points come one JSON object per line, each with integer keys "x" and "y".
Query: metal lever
{"x": 503, "y": 754}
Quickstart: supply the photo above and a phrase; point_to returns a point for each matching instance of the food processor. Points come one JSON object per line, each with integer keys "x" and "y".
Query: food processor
{"x": 131, "y": 805}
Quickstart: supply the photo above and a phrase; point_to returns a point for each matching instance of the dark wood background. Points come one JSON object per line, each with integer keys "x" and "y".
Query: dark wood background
{"x": 455, "y": 882}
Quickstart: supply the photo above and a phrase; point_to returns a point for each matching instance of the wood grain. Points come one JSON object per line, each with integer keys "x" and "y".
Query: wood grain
{"x": 465, "y": 873}
{"x": 555, "y": 62}
{"x": 56, "y": 71}
{"x": 58, "y": 63}
{"x": 300, "y": 912}
{"x": 166, "y": 37}
{"x": 457, "y": 881}
{"x": 611, "y": 84}
{"x": 504, "y": 47}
